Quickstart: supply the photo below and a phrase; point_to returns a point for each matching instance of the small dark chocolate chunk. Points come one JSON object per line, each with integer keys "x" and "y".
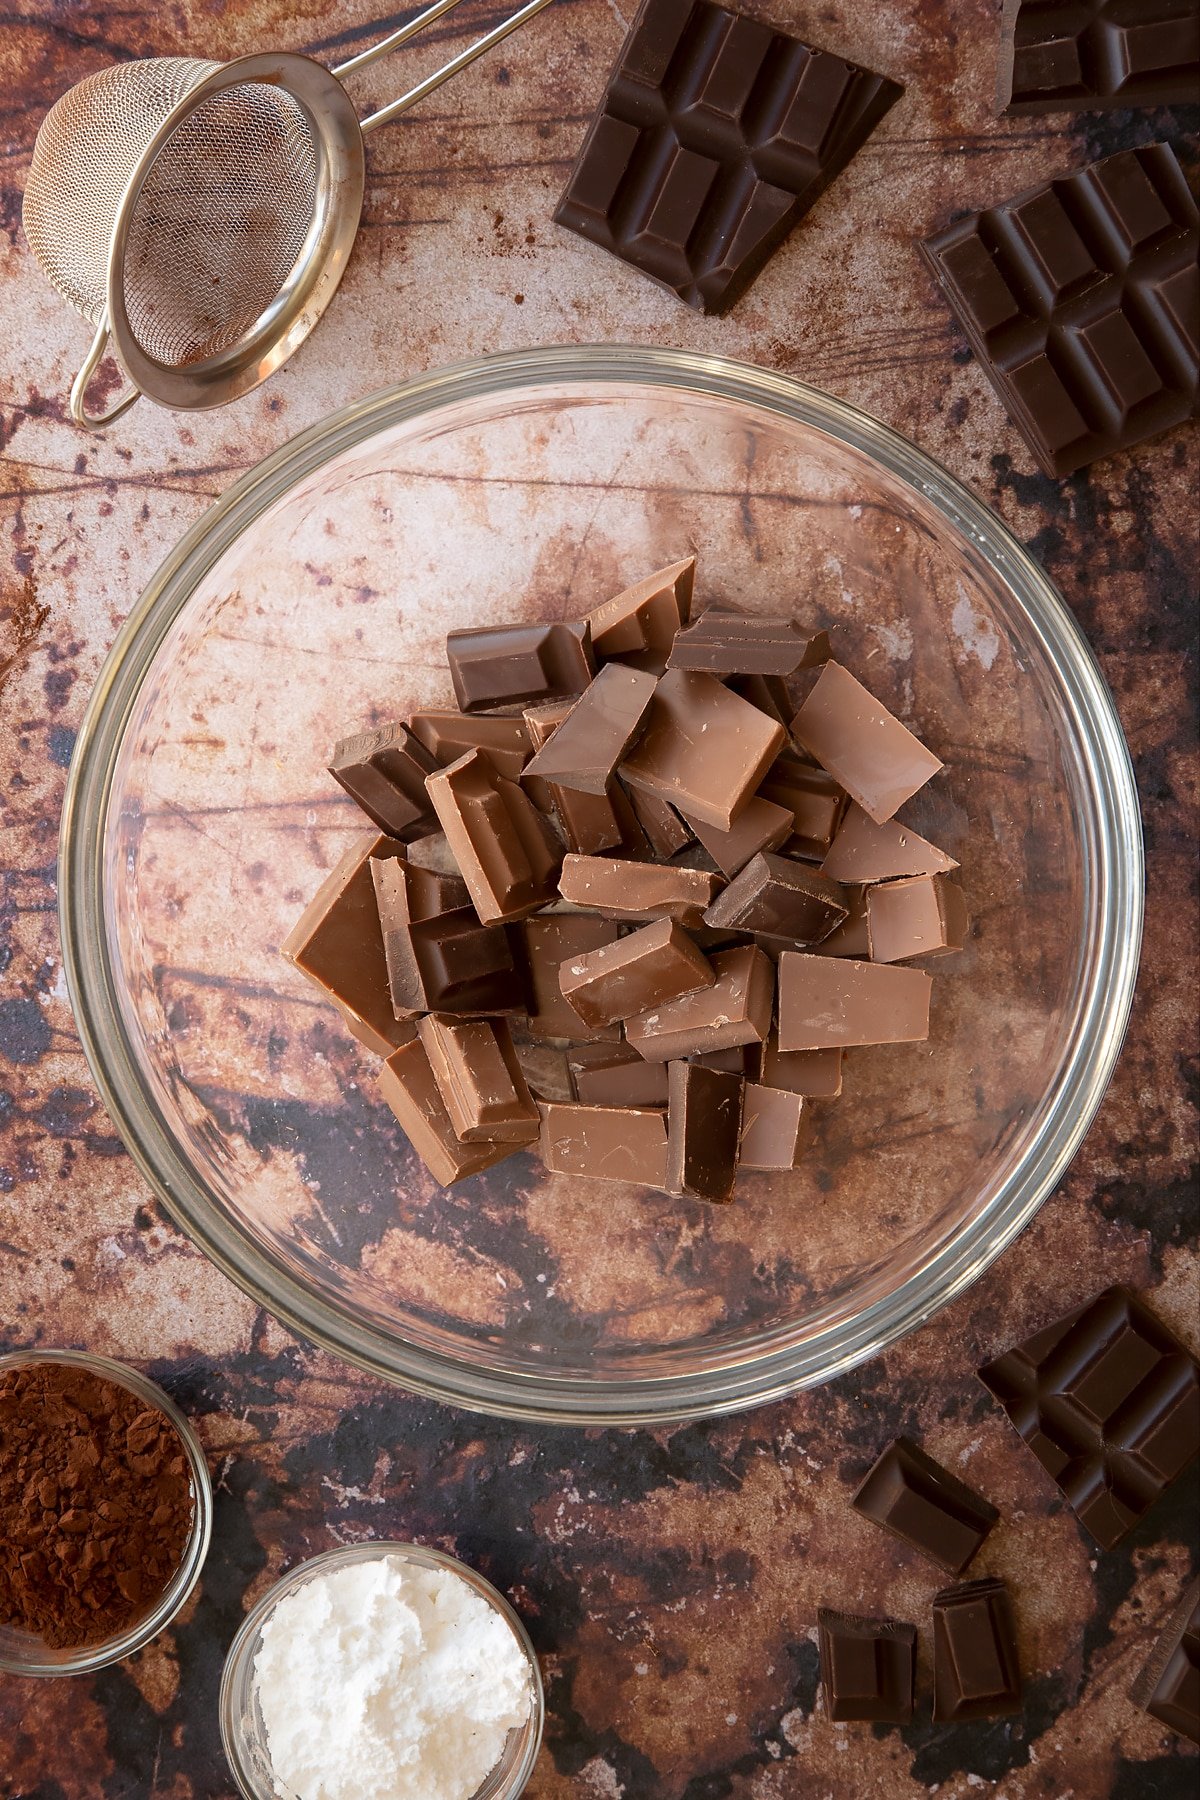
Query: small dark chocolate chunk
{"x": 976, "y": 1674}
{"x": 1169, "y": 1685}
{"x": 920, "y": 1502}
{"x": 704, "y": 1126}
{"x": 508, "y": 665}
{"x": 868, "y": 1667}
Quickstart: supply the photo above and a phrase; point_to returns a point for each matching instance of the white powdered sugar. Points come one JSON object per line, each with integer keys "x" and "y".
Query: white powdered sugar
{"x": 383, "y": 1680}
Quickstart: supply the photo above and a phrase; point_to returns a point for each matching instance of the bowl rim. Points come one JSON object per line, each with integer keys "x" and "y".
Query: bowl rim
{"x": 1114, "y": 881}
{"x": 237, "y": 1669}
{"x": 89, "y": 1658}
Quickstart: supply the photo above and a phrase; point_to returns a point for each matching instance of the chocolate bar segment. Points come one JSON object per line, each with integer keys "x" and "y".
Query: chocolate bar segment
{"x": 923, "y": 915}
{"x": 729, "y": 643}
{"x": 638, "y": 625}
{"x": 615, "y": 1075}
{"x": 665, "y": 831}
{"x": 735, "y": 1010}
{"x": 649, "y": 967}
{"x": 1108, "y": 1400}
{"x": 438, "y": 954}
{"x": 480, "y": 1079}
{"x": 779, "y": 898}
{"x": 508, "y": 665}
{"x": 1057, "y": 55}
{"x": 632, "y": 890}
{"x": 864, "y": 851}
{"x": 407, "y": 1083}
{"x": 704, "y": 1124}
{"x": 868, "y": 1667}
{"x": 924, "y": 1505}
{"x": 817, "y": 1074}
{"x": 715, "y": 137}
{"x": 542, "y": 946}
{"x": 853, "y": 936}
{"x": 825, "y": 1003}
{"x": 608, "y": 1143}
{"x": 1079, "y": 298}
{"x": 1169, "y": 1685}
{"x": 861, "y": 744}
{"x": 449, "y": 735}
{"x": 508, "y": 855}
{"x": 976, "y": 1674}
{"x": 589, "y": 823}
{"x": 384, "y": 771}
{"x": 774, "y": 1128}
{"x": 703, "y": 748}
{"x": 586, "y": 747}
{"x": 813, "y": 798}
{"x": 761, "y": 825}
{"x": 338, "y": 943}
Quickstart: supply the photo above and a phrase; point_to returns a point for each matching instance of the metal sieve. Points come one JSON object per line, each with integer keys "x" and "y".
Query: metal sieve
{"x": 201, "y": 214}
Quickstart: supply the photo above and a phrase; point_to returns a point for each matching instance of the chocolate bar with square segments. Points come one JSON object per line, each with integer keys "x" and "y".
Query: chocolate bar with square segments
{"x": 1057, "y": 55}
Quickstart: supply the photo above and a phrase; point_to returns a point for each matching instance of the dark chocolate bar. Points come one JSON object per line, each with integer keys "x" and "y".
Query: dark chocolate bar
{"x": 1108, "y": 1400}
{"x": 924, "y": 1505}
{"x": 976, "y": 1674}
{"x": 868, "y": 1667}
{"x": 1056, "y": 55}
{"x": 1079, "y": 299}
{"x": 715, "y": 137}
{"x": 1169, "y": 1685}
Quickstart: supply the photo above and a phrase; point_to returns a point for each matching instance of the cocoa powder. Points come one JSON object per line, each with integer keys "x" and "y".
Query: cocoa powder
{"x": 96, "y": 1504}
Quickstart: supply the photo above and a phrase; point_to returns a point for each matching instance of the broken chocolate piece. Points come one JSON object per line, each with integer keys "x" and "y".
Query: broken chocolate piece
{"x": 584, "y": 750}
{"x": 774, "y": 1128}
{"x": 1169, "y": 1685}
{"x": 438, "y": 954}
{"x": 1108, "y": 1400}
{"x": 922, "y": 915}
{"x": 779, "y": 898}
{"x": 589, "y": 822}
{"x": 608, "y": 1143}
{"x": 384, "y": 771}
{"x": 615, "y": 1075}
{"x": 863, "y": 746}
{"x": 649, "y": 967}
{"x": 508, "y": 855}
{"x": 665, "y": 831}
{"x": 703, "y": 748}
{"x": 924, "y": 1505}
{"x": 868, "y": 1667}
{"x": 642, "y": 891}
{"x": 715, "y": 137}
{"x": 852, "y": 937}
{"x": 813, "y": 798}
{"x": 825, "y": 1002}
{"x": 638, "y": 625}
{"x": 767, "y": 692}
{"x": 407, "y": 1083}
{"x": 863, "y": 851}
{"x": 544, "y": 1067}
{"x": 338, "y": 943}
{"x": 1079, "y": 299}
{"x": 729, "y": 643}
{"x": 542, "y": 946}
{"x": 745, "y": 1060}
{"x": 480, "y": 1079}
{"x": 976, "y": 1674}
{"x": 1094, "y": 53}
{"x": 509, "y": 665}
{"x": 817, "y": 1074}
{"x": 704, "y": 1124}
{"x": 449, "y": 735}
{"x": 735, "y": 1010}
{"x": 761, "y": 825}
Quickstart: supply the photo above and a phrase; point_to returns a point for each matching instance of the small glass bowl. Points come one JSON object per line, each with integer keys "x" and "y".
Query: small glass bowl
{"x": 244, "y": 1734}
{"x": 21, "y": 1653}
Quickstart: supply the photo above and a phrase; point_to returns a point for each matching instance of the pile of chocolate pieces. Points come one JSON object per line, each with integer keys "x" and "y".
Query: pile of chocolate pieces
{"x": 634, "y": 900}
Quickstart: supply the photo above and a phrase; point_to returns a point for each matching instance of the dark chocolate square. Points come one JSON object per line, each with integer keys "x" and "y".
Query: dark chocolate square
{"x": 976, "y": 1674}
{"x": 921, "y": 1503}
{"x": 868, "y": 1667}
{"x": 1056, "y": 55}
{"x": 715, "y": 136}
{"x": 1169, "y": 1685}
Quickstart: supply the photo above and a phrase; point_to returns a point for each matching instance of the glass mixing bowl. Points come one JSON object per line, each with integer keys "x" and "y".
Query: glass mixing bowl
{"x": 314, "y": 599}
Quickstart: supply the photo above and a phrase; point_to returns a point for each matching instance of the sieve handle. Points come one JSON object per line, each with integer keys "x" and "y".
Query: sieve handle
{"x": 92, "y": 361}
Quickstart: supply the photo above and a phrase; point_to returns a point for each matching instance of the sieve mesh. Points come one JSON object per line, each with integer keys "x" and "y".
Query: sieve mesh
{"x": 86, "y": 149}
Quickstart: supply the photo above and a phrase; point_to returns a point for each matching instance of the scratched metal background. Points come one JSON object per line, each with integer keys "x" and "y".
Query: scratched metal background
{"x": 670, "y": 1578}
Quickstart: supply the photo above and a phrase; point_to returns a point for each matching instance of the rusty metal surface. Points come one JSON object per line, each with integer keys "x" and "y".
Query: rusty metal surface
{"x": 670, "y": 1578}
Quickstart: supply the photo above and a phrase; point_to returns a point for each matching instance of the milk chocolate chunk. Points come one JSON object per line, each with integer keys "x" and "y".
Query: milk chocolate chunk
{"x": 767, "y": 692}
{"x": 703, "y": 748}
{"x": 868, "y": 1667}
{"x": 608, "y": 1143}
{"x": 665, "y": 831}
{"x": 1169, "y": 1685}
{"x": 864, "y": 851}
{"x": 924, "y": 1505}
{"x": 761, "y": 825}
{"x": 817, "y": 1074}
{"x": 774, "y": 1128}
{"x": 544, "y": 1067}
{"x": 588, "y": 823}
{"x": 813, "y": 798}
{"x": 1108, "y": 1400}
{"x": 384, "y": 771}
{"x": 853, "y": 936}
{"x": 735, "y": 1010}
{"x": 1057, "y": 57}
{"x": 449, "y": 735}
{"x": 715, "y": 137}
{"x": 922, "y": 915}
{"x": 615, "y": 1075}
{"x": 638, "y": 625}
{"x": 407, "y": 1083}
{"x": 542, "y": 946}
{"x": 825, "y": 1003}
{"x": 704, "y": 1124}
{"x": 372, "y": 1040}
{"x": 632, "y": 890}
{"x": 1079, "y": 298}
{"x": 745, "y": 1060}
{"x": 976, "y": 1674}
{"x": 479, "y": 1078}
{"x": 867, "y": 751}
{"x": 645, "y": 969}
{"x": 729, "y": 643}
{"x": 508, "y": 855}
{"x": 508, "y": 665}
{"x": 338, "y": 942}
{"x": 438, "y": 954}
{"x": 584, "y": 750}
{"x": 780, "y": 899}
